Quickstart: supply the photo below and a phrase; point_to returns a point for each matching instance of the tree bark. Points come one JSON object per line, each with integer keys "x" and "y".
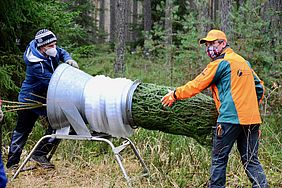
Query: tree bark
{"x": 127, "y": 19}
{"x": 134, "y": 21}
{"x": 168, "y": 42}
{"x": 213, "y": 7}
{"x": 112, "y": 20}
{"x": 119, "y": 66}
{"x": 102, "y": 20}
{"x": 225, "y": 16}
{"x": 147, "y": 11}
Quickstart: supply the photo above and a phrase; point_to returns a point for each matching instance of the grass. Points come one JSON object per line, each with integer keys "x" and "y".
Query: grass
{"x": 173, "y": 161}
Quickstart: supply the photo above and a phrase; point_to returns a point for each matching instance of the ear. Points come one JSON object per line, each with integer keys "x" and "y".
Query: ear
{"x": 41, "y": 49}
{"x": 224, "y": 43}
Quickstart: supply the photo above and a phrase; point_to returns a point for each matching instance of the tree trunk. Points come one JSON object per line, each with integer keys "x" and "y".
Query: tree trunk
{"x": 275, "y": 7}
{"x": 204, "y": 17}
{"x": 147, "y": 11}
{"x": 213, "y": 7}
{"x": 134, "y": 21}
{"x": 119, "y": 66}
{"x": 168, "y": 42}
{"x": 127, "y": 19}
{"x": 112, "y": 20}
{"x": 225, "y": 13}
{"x": 192, "y": 117}
{"x": 102, "y": 20}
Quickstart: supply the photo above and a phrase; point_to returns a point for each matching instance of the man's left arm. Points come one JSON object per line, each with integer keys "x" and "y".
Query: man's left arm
{"x": 259, "y": 87}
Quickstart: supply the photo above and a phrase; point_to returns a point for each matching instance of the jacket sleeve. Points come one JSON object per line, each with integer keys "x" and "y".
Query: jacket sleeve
{"x": 259, "y": 87}
{"x": 63, "y": 55}
{"x": 201, "y": 82}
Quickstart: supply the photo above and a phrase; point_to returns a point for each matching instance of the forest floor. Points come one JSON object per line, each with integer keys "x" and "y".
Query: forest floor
{"x": 71, "y": 176}
{"x": 74, "y": 175}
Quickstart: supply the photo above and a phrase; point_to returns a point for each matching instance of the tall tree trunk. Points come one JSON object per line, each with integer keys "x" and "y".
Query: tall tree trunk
{"x": 112, "y": 20}
{"x": 204, "y": 17}
{"x": 213, "y": 7}
{"x": 134, "y": 20}
{"x": 127, "y": 19}
{"x": 147, "y": 10}
{"x": 275, "y": 7}
{"x": 102, "y": 20}
{"x": 225, "y": 13}
{"x": 119, "y": 66}
{"x": 168, "y": 32}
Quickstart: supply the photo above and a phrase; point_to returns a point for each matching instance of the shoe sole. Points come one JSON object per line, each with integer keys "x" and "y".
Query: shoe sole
{"x": 42, "y": 165}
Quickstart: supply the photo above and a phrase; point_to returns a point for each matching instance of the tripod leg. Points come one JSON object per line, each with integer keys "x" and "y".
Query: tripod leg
{"x": 29, "y": 156}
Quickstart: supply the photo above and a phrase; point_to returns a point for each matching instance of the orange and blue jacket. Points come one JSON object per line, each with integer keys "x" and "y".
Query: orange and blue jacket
{"x": 237, "y": 90}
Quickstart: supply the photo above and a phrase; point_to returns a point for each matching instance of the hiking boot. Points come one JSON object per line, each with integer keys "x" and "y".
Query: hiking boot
{"x": 12, "y": 169}
{"x": 42, "y": 161}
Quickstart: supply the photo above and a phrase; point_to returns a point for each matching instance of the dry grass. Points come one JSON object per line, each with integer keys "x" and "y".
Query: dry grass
{"x": 173, "y": 161}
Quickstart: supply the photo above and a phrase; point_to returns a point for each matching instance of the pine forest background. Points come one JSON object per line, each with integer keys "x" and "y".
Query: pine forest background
{"x": 155, "y": 41}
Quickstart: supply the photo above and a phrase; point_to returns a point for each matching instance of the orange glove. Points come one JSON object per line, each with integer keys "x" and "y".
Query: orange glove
{"x": 168, "y": 99}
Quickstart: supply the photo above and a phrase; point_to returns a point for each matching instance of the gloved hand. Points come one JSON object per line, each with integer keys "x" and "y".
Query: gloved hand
{"x": 72, "y": 63}
{"x": 168, "y": 99}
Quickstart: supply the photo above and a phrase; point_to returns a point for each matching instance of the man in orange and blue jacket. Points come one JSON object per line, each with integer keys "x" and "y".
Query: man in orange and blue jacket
{"x": 237, "y": 92}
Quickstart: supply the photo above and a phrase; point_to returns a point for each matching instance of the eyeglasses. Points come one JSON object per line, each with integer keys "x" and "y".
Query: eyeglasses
{"x": 209, "y": 43}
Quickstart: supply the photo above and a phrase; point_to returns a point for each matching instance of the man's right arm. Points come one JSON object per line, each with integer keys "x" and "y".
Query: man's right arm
{"x": 201, "y": 82}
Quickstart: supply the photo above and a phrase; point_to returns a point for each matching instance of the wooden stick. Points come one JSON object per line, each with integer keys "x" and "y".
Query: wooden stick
{"x": 25, "y": 108}
{"x": 37, "y": 102}
{"x": 37, "y": 96}
{"x": 14, "y": 102}
{"x": 18, "y": 106}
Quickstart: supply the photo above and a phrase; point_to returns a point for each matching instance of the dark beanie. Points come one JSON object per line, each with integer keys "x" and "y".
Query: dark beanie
{"x": 44, "y": 36}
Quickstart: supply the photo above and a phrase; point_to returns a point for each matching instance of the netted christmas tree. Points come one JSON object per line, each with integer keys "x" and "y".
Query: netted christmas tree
{"x": 192, "y": 117}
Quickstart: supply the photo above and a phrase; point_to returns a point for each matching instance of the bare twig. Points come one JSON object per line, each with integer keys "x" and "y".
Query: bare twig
{"x": 38, "y": 96}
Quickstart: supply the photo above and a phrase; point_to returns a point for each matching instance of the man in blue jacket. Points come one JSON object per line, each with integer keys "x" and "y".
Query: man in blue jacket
{"x": 42, "y": 57}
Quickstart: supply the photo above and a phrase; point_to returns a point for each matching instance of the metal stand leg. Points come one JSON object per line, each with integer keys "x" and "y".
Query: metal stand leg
{"x": 29, "y": 155}
{"x": 116, "y": 150}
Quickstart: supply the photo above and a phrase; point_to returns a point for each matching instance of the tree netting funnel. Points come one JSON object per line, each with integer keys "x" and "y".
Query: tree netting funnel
{"x": 76, "y": 98}
{"x": 97, "y": 108}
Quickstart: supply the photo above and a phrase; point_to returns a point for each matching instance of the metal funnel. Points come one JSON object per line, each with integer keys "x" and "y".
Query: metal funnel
{"x": 75, "y": 98}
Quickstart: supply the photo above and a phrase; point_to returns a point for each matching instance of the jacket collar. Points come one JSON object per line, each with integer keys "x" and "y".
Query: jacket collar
{"x": 32, "y": 54}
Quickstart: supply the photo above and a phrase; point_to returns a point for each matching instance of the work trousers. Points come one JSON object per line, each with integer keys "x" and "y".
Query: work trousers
{"x": 25, "y": 124}
{"x": 3, "y": 177}
{"x": 247, "y": 137}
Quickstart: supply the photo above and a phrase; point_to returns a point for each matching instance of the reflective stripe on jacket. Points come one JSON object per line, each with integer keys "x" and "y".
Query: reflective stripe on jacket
{"x": 237, "y": 90}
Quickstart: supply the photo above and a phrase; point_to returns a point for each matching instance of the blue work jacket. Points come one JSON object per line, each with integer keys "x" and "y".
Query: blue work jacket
{"x": 39, "y": 70}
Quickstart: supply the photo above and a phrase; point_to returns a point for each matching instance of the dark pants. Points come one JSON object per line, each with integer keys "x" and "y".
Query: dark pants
{"x": 3, "y": 177}
{"x": 247, "y": 137}
{"x": 25, "y": 123}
